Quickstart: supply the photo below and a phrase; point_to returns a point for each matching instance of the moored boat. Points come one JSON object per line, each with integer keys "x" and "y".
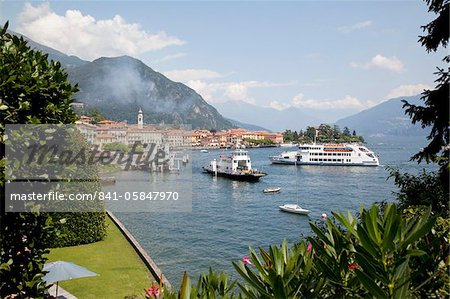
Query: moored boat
{"x": 237, "y": 166}
{"x": 331, "y": 154}
{"x": 272, "y": 190}
{"x": 294, "y": 208}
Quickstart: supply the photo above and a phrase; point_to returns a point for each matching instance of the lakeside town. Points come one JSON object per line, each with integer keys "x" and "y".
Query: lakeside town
{"x": 108, "y": 131}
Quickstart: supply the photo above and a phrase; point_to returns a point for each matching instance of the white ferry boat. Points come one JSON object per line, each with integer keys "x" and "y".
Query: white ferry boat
{"x": 237, "y": 166}
{"x": 328, "y": 154}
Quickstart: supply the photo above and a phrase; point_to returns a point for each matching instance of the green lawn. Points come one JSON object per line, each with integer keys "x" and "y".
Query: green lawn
{"x": 121, "y": 272}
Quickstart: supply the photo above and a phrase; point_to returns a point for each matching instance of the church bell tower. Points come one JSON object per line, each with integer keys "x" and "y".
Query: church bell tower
{"x": 140, "y": 119}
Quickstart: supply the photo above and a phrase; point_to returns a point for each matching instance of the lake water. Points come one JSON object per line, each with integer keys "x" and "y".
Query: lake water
{"x": 228, "y": 216}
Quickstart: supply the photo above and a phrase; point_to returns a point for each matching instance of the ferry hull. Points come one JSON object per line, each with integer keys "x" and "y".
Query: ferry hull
{"x": 335, "y": 164}
{"x": 247, "y": 177}
{"x": 283, "y": 162}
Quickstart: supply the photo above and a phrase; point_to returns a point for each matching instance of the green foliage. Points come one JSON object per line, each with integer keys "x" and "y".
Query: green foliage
{"x": 116, "y": 146}
{"x": 415, "y": 191}
{"x": 280, "y": 273}
{"x": 435, "y": 112}
{"x": 95, "y": 114}
{"x": 211, "y": 285}
{"x": 22, "y": 253}
{"x": 289, "y": 136}
{"x": 78, "y": 228}
{"x": 323, "y": 134}
{"x": 33, "y": 90}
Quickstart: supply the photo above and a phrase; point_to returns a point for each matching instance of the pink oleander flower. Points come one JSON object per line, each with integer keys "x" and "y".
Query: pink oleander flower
{"x": 352, "y": 266}
{"x": 149, "y": 292}
{"x": 246, "y": 260}
{"x": 308, "y": 249}
{"x": 324, "y": 216}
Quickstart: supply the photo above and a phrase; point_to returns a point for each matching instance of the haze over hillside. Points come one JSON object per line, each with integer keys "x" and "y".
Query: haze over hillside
{"x": 118, "y": 87}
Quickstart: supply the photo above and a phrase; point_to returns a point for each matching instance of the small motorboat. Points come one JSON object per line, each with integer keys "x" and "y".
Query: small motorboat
{"x": 272, "y": 190}
{"x": 204, "y": 151}
{"x": 294, "y": 208}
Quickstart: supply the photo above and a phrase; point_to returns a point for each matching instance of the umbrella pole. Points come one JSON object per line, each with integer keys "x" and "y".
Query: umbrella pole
{"x": 57, "y": 289}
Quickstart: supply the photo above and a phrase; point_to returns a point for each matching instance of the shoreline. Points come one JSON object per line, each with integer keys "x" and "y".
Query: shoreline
{"x": 146, "y": 259}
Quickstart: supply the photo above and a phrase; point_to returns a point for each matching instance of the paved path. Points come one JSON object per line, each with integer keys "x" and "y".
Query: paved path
{"x": 62, "y": 294}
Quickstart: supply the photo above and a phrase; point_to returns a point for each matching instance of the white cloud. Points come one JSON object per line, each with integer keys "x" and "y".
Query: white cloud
{"x": 278, "y": 106}
{"x": 353, "y": 27}
{"x": 172, "y": 57}
{"x": 223, "y": 91}
{"x": 299, "y": 101}
{"x": 237, "y": 92}
{"x": 220, "y": 92}
{"x": 379, "y": 61}
{"x": 82, "y": 35}
{"x": 407, "y": 90}
{"x": 191, "y": 74}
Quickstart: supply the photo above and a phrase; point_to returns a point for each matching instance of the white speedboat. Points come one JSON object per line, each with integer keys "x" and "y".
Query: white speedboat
{"x": 294, "y": 208}
{"x": 204, "y": 151}
{"x": 272, "y": 190}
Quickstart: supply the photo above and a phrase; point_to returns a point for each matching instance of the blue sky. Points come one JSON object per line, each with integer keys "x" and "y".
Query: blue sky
{"x": 332, "y": 57}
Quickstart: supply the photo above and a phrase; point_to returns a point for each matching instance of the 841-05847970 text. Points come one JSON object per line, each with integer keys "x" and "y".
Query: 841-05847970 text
{"x": 135, "y": 195}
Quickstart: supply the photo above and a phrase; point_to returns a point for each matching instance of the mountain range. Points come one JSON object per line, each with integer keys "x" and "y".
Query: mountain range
{"x": 118, "y": 87}
{"x": 276, "y": 120}
{"x": 387, "y": 118}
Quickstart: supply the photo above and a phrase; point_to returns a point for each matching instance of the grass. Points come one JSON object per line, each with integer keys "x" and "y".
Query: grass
{"x": 121, "y": 271}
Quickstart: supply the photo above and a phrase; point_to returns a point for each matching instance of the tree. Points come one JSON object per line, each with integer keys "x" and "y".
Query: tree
{"x": 336, "y": 132}
{"x": 32, "y": 91}
{"x": 435, "y": 112}
{"x": 311, "y": 133}
{"x": 347, "y": 132}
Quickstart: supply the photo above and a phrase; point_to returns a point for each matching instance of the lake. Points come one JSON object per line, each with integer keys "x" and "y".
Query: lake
{"x": 229, "y": 216}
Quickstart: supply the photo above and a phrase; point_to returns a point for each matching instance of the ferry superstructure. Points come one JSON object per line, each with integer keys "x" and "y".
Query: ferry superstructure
{"x": 237, "y": 166}
{"x": 331, "y": 154}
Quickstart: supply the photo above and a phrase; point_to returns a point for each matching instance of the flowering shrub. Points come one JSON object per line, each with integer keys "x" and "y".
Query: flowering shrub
{"x": 383, "y": 254}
